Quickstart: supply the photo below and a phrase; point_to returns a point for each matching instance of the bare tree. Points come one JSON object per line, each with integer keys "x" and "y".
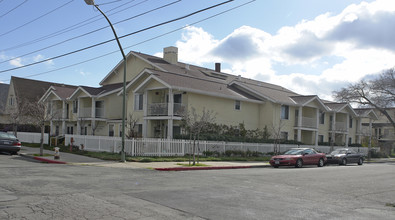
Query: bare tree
{"x": 131, "y": 123}
{"x": 195, "y": 123}
{"x": 277, "y": 135}
{"x": 17, "y": 114}
{"x": 378, "y": 93}
{"x": 39, "y": 113}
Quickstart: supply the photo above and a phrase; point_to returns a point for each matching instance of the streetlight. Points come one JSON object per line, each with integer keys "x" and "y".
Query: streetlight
{"x": 92, "y": 2}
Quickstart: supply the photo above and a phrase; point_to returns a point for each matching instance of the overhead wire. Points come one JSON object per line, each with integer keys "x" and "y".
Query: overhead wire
{"x": 91, "y": 32}
{"x": 141, "y": 42}
{"x": 74, "y": 26}
{"x": 41, "y": 16}
{"x": 12, "y": 8}
{"x": 107, "y": 41}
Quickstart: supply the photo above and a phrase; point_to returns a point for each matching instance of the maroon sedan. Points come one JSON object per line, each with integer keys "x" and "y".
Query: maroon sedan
{"x": 298, "y": 157}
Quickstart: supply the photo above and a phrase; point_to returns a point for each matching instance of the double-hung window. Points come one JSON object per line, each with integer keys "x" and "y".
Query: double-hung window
{"x": 138, "y": 102}
{"x": 284, "y": 112}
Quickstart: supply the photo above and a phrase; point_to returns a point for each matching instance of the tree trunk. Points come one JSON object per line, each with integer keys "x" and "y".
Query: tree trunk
{"x": 193, "y": 150}
{"x": 42, "y": 141}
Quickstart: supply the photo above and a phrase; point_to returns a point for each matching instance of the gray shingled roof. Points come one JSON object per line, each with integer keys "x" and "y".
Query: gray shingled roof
{"x": 64, "y": 92}
{"x": 187, "y": 72}
{"x": 205, "y": 85}
{"x": 101, "y": 90}
{"x": 32, "y": 89}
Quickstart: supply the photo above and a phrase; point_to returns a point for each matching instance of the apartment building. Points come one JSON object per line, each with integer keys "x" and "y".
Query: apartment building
{"x": 159, "y": 89}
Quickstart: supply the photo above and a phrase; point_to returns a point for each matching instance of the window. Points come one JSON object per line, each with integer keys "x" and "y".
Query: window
{"x": 57, "y": 130}
{"x": 12, "y": 101}
{"x": 139, "y": 130}
{"x": 320, "y": 138}
{"x": 99, "y": 109}
{"x": 284, "y": 112}
{"x": 138, "y": 101}
{"x": 75, "y": 106}
{"x": 350, "y": 123}
{"x": 322, "y": 117}
{"x": 284, "y": 135}
{"x": 349, "y": 141}
{"x": 111, "y": 130}
{"x": 70, "y": 130}
{"x": 237, "y": 105}
{"x": 84, "y": 130}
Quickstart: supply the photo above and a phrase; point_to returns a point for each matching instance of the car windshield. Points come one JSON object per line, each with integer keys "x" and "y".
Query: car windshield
{"x": 339, "y": 152}
{"x": 294, "y": 152}
{"x": 6, "y": 136}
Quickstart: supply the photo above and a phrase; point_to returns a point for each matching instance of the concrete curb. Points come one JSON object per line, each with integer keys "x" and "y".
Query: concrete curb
{"x": 208, "y": 168}
{"x": 45, "y": 160}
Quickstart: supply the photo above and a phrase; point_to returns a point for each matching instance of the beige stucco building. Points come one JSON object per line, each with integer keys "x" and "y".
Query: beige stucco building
{"x": 159, "y": 90}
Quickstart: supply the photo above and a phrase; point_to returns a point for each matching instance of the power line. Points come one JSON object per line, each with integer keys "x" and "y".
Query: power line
{"x": 105, "y": 42}
{"x": 91, "y": 32}
{"x": 73, "y": 27}
{"x": 41, "y": 16}
{"x": 12, "y": 8}
{"x": 141, "y": 42}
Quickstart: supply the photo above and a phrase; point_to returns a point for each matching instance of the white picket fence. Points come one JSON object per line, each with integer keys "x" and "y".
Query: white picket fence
{"x": 166, "y": 147}
{"x": 171, "y": 147}
{"x": 30, "y": 137}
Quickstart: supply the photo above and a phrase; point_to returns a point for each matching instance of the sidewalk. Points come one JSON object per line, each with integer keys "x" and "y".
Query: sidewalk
{"x": 73, "y": 159}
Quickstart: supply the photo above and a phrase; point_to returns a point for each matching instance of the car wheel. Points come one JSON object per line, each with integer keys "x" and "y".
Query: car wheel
{"x": 360, "y": 161}
{"x": 344, "y": 162}
{"x": 299, "y": 163}
{"x": 275, "y": 166}
{"x": 321, "y": 162}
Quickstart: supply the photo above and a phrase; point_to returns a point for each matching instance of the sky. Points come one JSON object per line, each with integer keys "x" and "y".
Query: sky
{"x": 312, "y": 47}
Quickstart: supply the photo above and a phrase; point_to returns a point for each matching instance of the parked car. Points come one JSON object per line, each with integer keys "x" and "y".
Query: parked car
{"x": 343, "y": 156}
{"x": 9, "y": 143}
{"x": 298, "y": 157}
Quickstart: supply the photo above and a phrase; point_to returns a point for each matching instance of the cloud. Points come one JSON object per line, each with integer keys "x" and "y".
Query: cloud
{"x": 333, "y": 49}
{"x": 243, "y": 44}
{"x": 40, "y": 57}
{"x": 17, "y": 62}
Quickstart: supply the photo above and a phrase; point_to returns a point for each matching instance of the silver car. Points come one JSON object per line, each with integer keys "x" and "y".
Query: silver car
{"x": 9, "y": 143}
{"x": 344, "y": 156}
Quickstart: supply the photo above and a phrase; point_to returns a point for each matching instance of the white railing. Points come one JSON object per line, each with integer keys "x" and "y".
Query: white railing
{"x": 161, "y": 109}
{"x": 170, "y": 147}
{"x": 307, "y": 122}
{"x": 339, "y": 126}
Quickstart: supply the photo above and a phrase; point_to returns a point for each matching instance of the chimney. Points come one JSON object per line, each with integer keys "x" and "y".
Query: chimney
{"x": 170, "y": 54}
{"x": 218, "y": 67}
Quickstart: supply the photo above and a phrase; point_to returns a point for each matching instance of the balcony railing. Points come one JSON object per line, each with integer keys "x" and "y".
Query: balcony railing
{"x": 161, "y": 109}
{"x": 307, "y": 122}
{"x": 339, "y": 126}
{"x": 87, "y": 112}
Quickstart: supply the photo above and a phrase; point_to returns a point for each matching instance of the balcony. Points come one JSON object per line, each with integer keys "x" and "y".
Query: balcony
{"x": 307, "y": 122}
{"x": 161, "y": 109}
{"x": 339, "y": 126}
{"x": 87, "y": 113}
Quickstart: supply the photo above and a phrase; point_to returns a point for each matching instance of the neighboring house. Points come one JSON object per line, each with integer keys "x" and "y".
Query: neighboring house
{"x": 159, "y": 90}
{"x": 382, "y": 130}
{"x": 24, "y": 90}
{"x": 3, "y": 100}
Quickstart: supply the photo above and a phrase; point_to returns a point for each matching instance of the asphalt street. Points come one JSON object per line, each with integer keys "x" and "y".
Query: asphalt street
{"x": 31, "y": 190}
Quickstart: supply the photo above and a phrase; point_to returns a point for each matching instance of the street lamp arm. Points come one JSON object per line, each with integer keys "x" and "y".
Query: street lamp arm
{"x": 113, "y": 30}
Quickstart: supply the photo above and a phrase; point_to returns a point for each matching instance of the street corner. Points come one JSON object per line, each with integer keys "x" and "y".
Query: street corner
{"x": 41, "y": 159}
